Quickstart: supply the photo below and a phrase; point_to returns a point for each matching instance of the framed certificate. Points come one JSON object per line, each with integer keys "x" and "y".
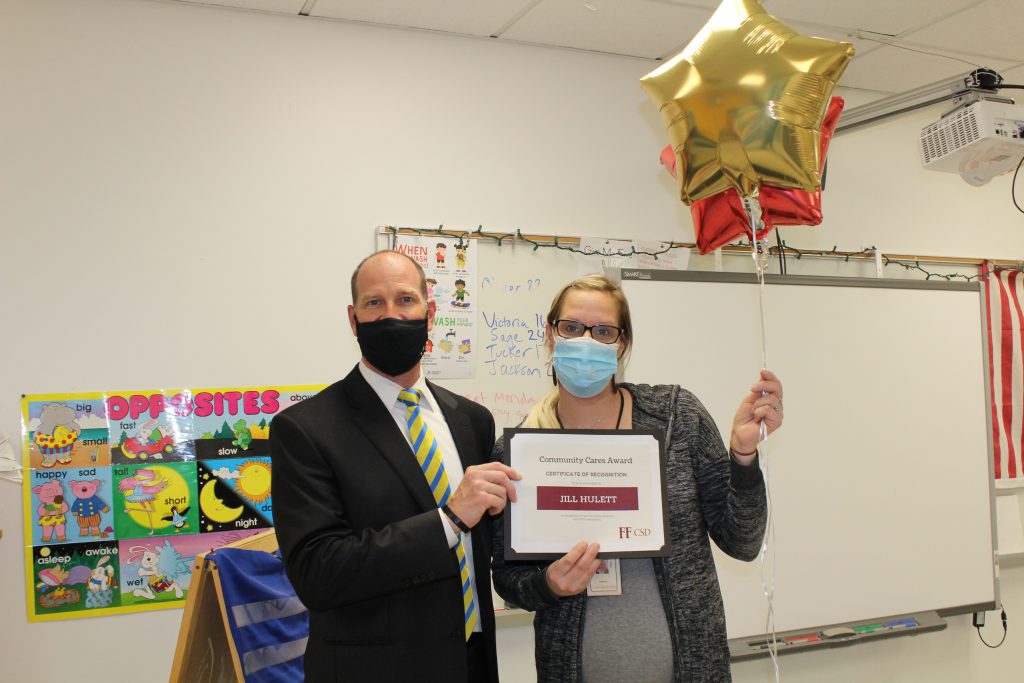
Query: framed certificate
{"x": 586, "y": 485}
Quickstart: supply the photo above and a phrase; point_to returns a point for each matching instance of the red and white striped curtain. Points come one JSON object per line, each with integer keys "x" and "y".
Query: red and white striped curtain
{"x": 1004, "y": 294}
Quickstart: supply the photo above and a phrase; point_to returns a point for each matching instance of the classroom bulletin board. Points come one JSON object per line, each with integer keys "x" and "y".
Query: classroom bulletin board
{"x": 124, "y": 488}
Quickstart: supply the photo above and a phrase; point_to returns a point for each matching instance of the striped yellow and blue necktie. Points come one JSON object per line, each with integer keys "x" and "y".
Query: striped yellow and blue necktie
{"x": 424, "y": 445}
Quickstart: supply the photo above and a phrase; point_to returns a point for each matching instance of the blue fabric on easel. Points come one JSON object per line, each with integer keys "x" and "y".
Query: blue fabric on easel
{"x": 269, "y": 624}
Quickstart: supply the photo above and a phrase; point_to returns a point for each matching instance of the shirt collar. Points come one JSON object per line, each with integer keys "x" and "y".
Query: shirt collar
{"x": 387, "y": 390}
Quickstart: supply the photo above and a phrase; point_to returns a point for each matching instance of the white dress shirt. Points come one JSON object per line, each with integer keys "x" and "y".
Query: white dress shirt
{"x": 388, "y": 391}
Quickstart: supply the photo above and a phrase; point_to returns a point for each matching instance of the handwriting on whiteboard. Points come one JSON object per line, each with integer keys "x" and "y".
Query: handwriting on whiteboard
{"x": 509, "y": 408}
{"x": 527, "y": 286}
{"x": 514, "y": 345}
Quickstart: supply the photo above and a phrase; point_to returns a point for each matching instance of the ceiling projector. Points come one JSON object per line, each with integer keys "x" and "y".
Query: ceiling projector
{"x": 979, "y": 141}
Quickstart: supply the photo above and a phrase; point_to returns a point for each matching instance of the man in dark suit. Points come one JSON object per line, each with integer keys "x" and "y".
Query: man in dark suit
{"x": 366, "y": 544}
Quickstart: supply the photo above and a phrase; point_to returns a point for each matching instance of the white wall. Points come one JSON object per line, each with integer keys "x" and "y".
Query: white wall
{"x": 224, "y": 171}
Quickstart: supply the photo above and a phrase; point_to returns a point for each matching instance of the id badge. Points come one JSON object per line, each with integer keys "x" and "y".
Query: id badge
{"x": 607, "y": 581}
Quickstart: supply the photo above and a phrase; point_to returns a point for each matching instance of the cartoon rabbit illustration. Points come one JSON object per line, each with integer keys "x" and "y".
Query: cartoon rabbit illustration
{"x": 100, "y": 584}
{"x": 149, "y": 565}
{"x": 100, "y": 577}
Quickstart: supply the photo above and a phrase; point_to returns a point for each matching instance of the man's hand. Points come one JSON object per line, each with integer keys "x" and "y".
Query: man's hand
{"x": 484, "y": 488}
{"x": 571, "y": 573}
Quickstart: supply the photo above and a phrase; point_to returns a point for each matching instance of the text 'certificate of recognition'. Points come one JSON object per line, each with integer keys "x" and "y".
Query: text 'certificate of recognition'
{"x": 598, "y": 486}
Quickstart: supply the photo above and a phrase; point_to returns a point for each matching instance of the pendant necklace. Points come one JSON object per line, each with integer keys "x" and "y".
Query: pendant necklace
{"x": 618, "y": 422}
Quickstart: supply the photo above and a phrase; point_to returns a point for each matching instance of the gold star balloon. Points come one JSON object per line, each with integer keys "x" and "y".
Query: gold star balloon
{"x": 744, "y": 103}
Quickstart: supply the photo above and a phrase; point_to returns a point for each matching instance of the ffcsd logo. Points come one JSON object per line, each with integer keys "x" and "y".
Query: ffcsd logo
{"x": 636, "y": 532}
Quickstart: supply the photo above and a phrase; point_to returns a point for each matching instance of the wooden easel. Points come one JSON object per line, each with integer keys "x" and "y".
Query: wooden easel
{"x": 206, "y": 652}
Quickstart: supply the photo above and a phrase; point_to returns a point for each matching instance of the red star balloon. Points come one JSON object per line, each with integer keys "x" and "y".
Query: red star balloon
{"x": 720, "y": 219}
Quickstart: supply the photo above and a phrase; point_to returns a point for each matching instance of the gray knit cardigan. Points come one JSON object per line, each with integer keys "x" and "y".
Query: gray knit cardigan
{"x": 708, "y": 494}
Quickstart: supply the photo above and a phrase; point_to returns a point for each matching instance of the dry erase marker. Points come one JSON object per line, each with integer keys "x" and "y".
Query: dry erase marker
{"x": 902, "y": 623}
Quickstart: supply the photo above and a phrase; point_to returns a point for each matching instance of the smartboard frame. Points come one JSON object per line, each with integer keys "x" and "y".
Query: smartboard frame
{"x": 970, "y": 313}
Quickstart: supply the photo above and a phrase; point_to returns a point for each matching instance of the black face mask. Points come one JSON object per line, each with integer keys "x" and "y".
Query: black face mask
{"x": 391, "y": 345}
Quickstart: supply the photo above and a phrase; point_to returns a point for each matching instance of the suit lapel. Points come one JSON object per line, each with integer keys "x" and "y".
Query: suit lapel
{"x": 376, "y": 423}
{"x": 458, "y": 425}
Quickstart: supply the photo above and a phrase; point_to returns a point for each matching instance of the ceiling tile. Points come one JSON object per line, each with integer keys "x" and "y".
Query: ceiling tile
{"x": 278, "y": 6}
{"x": 642, "y": 28}
{"x": 980, "y": 31}
{"x": 899, "y": 70}
{"x": 470, "y": 17}
{"x": 1014, "y": 75}
{"x": 880, "y": 16}
{"x": 861, "y": 46}
{"x": 993, "y": 28}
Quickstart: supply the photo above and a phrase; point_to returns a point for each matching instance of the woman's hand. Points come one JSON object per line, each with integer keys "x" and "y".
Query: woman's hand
{"x": 571, "y": 573}
{"x": 763, "y": 403}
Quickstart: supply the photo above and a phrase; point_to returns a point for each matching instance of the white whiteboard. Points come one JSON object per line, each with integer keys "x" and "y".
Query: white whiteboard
{"x": 880, "y": 479}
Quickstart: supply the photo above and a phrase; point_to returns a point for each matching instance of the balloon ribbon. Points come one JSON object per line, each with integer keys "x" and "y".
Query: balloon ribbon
{"x": 759, "y": 252}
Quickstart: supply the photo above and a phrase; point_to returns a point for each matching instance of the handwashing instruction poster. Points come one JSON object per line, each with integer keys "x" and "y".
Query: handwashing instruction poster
{"x": 449, "y": 264}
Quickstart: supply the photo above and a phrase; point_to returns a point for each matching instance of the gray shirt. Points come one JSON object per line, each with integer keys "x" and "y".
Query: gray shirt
{"x": 617, "y": 624}
{"x": 710, "y": 497}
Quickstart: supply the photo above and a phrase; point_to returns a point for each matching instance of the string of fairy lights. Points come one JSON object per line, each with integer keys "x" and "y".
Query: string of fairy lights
{"x": 781, "y": 250}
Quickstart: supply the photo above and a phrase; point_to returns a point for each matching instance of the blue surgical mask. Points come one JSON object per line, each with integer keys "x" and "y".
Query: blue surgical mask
{"x": 584, "y": 366}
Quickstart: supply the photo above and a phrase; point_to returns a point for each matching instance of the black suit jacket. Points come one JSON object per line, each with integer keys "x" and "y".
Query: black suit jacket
{"x": 363, "y": 542}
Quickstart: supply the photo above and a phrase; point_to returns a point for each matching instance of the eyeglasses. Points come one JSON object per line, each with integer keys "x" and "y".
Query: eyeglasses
{"x": 571, "y": 329}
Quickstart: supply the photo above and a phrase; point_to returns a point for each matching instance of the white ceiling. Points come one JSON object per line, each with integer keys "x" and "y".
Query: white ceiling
{"x": 901, "y": 44}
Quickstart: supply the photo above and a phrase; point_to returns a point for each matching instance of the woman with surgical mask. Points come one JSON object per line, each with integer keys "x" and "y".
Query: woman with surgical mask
{"x": 668, "y": 624}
